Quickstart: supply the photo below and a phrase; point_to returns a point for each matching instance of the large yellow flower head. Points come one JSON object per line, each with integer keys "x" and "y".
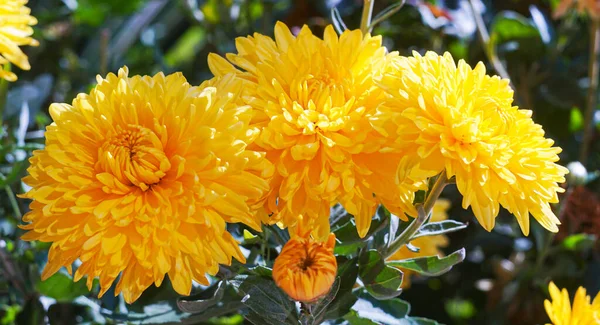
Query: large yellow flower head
{"x": 428, "y": 245}
{"x": 583, "y": 311}
{"x": 15, "y": 31}
{"x": 313, "y": 98}
{"x": 139, "y": 178}
{"x": 460, "y": 120}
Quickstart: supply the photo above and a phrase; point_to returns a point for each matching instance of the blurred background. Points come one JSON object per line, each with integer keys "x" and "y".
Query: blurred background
{"x": 504, "y": 278}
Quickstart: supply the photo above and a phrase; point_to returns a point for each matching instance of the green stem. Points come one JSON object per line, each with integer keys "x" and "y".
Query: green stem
{"x": 104, "y": 51}
{"x": 254, "y": 253}
{"x": 13, "y": 202}
{"x": 306, "y": 312}
{"x": 592, "y": 96}
{"x": 386, "y": 15}
{"x": 488, "y": 48}
{"x": 367, "y": 12}
{"x": 541, "y": 257}
{"x": 424, "y": 211}
{"x": 12, "y": 271}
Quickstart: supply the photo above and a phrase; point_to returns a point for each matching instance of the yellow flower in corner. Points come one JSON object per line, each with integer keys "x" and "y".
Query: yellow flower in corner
{"x": 306, "y": 269}
{"x": 139, "y": 178}
{"x": 312, "y": 99}
{"x": 15, "y": 31}
{"x": 460, "y": 120}
{"x": 428, "y": 245}
{"x": 583, "y": 312}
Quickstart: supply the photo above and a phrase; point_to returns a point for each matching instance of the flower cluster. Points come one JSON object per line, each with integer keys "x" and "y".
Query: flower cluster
{"x": 140, "y": 177}
{"x": 583, "y": 311}
{"x": 16, "y": 31}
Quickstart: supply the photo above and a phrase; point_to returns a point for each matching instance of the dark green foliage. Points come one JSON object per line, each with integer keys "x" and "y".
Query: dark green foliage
{"x": 485, "y": 278}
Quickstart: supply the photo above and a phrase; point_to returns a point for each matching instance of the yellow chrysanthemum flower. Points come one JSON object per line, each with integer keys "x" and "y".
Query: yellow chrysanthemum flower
{"x": 583, "y": 312}
{"x": 15, "y": 31}
{"x": 305, "y": 269}
{"x": 312, "y": 99}
{"x": 139, "y": 178}
{"x": 428, "y": 245}
{"x": 460, "y": 120}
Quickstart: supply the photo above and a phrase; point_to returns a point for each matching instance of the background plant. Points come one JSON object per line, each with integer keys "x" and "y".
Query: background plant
{"x": 504, "y": 275}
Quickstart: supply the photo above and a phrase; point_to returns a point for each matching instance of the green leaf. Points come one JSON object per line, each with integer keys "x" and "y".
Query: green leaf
{"x": 369, "y": 310}
{"x": 161, "y": 313}
{"x": 417, "y": 321}
{"x": 441, "y": 227}
{"x": 344, "y": 298}
{"x": 61, "y": 287}
{"x": 380, "y": 280}
{"x": 94, "y": 12}
{"x": 374, "y": 315}
{"x": 349, "y": 249}
{"x": 15, "y": 173}
{"x": 236, "y": 319}
{"x": 151, "y": 296}
{"x": 321, "y": 306}
{"x": 379, "y": 232}
{"x": 204, "y": 300}
{"x": 354, "y": 319}
{"x": 576, "y": 120}
{"x": 250, "y": 238}
{"x": 460, "y": 308}
{"x": 256, "y": 319}
{"x": 32, "y": 313}
{"x": 509, "y": 25}
{"x": 222, "y": 309}
{"x": 420, "y": 197}
{"x": 387, "y": 13}
{"x": 522, "y": 34}
{"x": 262, "y": 271}
{"x": 370, "y": 265}
{"x": 337, "y": 21}
{"x": 266, "y": 299}
{"x": 579, "y": 242}
{"x": 187, "y": 47}
{"x": 10, "y": 314}
{"x": 381, "y": 311}
{"x": 431, "y": 265}
{"x": 387, "y": 284}
{"x": 347, "y": 234}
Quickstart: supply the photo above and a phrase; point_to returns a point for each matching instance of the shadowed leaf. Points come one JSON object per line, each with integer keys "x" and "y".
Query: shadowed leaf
{"x": 431, "y": 265}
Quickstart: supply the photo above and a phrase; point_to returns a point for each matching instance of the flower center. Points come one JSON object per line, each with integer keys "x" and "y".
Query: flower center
{"x": 135, "y": 156}
{"x": 305, "y": 263}
{"x": 320, "y": 104}
{"x": 307, "y": 259}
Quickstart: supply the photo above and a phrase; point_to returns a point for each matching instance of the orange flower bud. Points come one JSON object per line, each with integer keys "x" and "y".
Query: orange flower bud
{"x": 306, "y": 268}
